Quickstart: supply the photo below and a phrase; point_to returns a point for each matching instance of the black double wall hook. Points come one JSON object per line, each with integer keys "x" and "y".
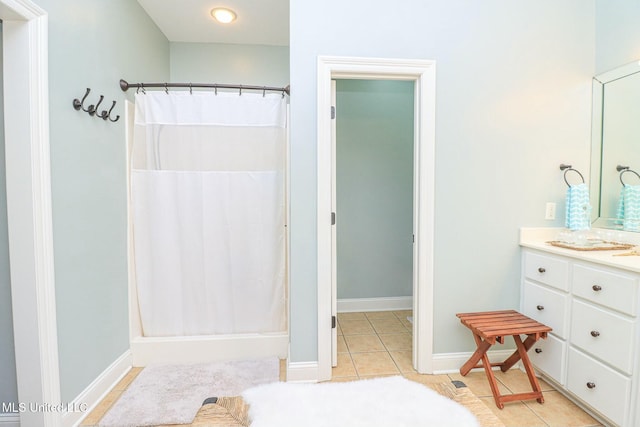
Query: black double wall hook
{"x": 109, "y": 113}
{"x": 79, "y": 104}
{"x": 92, "y": 110}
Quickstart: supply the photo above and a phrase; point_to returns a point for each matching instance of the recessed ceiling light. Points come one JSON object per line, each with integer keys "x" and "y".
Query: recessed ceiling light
{"x": 223, "y": 15}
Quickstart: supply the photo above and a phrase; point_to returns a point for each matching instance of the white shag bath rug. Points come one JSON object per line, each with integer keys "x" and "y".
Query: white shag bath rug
{"x": 379, "y": 402}
{"x": 173, "y": 394}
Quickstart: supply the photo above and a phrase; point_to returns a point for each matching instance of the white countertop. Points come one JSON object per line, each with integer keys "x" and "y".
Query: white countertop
{"x": 537, "y": 238}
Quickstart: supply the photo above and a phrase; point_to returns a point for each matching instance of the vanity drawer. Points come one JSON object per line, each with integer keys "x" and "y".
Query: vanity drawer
{"x": 607, "y": 336}
{"x": 548, "y": 355}
{"x": 548, "y": 270}
{"x": 606, "y": 390}
{"x": 614, "y": 290}
{"x": 546, "y": 306}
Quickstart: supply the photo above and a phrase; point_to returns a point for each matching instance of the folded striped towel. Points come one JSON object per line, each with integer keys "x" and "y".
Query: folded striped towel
{"x": 629, "y": 207}
{"x": 578, "y": 214}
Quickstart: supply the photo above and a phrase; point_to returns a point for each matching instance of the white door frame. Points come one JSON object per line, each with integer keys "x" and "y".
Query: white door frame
{"x": 423, "y": 74}
{"x": 29, "y": 217}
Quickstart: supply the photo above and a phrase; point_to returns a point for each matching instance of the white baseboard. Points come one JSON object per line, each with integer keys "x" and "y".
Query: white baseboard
{"x": 447, "y": 363}
{"x": 9, "y": 420}
{"x": 302, "y": 372}
{"x": 443, "y": 363}
{"x": 84, "y": 403}
{"x": 350, "y": 305}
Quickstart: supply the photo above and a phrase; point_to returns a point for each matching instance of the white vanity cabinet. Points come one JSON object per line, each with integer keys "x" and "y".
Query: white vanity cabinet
{"x": 593, "y": 352}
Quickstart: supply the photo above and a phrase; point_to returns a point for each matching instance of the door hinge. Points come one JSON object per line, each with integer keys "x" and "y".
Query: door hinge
{"x": 333, "y": 112}
{"x": 333, "y": 218}
{"x": 333, "y": 322}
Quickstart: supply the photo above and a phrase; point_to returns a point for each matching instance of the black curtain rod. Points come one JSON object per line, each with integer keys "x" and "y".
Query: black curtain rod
{"x": 124, "y": 85}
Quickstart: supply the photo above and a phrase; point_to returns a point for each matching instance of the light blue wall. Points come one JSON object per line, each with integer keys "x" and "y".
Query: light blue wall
{"x": 513, "y": 101}
{"x": 617, "y": 33}
{"x": 230, "y": 63}
{"x": 374, "y": 176}
{"x": 8, "y": 389}
{"x": 92, "y": 44}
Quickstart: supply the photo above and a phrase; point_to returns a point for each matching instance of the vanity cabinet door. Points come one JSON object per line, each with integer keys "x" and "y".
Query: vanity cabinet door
{"x": 606, "y": 390}
{"x": 614, "y": 290}
{"x": 607, "y": 336}
{"x": 549, "y": 355}
{"x": 546, "y": 306}
{"x": 551, "y": 271}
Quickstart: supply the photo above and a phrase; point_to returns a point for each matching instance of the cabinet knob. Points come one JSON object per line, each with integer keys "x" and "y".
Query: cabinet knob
{"x": 538, "y": 350}
{"x": 541, "y": 269}
{"x": 540, "y": 307}
{"x": 591, "y": 385}
{"x": 596, "y": 288}
{"x": 595, "y": 334}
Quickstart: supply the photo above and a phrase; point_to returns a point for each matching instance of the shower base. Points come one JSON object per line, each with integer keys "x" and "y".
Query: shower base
{"x": 207, "y": 348}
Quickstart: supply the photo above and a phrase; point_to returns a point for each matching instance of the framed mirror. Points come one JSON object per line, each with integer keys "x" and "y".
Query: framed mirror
{"x": 615, "y": 141}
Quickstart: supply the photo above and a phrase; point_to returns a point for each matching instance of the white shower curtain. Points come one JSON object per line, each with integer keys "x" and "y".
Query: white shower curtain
{"x": 208, "y": 212}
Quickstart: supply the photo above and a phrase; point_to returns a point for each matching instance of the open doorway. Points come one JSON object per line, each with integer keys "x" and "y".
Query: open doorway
{"x": 422, "y": 74}
{"x": 373, "y": 202}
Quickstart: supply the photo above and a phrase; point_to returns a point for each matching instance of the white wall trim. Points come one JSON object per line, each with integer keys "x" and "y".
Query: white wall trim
{"x": 354, "y": 305}
{"x": 443, "y": 363}
{"x": 447, "y": 363}
{"x": 9, "y": 420}
{"x": 302, "y": 372}
{"x": 20, "y": 10}
{"x": 26, "y": 97}
{"x": 422, "y": 72}
{"x": 91, "y": 396}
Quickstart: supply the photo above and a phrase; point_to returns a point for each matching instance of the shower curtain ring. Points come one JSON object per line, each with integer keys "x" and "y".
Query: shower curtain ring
{"x": 240, "y": 90}
{"x": 166, "y": 89}
{"x": 190, "y": 89}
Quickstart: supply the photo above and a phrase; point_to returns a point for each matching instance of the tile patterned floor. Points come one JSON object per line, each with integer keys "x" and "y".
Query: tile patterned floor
{"x": 377, "y": 344}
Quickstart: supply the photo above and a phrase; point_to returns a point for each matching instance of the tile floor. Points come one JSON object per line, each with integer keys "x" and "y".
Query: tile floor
{"x": 379, "y": 343}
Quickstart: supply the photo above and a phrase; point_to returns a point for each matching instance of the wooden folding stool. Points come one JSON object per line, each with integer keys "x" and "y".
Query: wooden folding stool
{"x": 492, "y": 326}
